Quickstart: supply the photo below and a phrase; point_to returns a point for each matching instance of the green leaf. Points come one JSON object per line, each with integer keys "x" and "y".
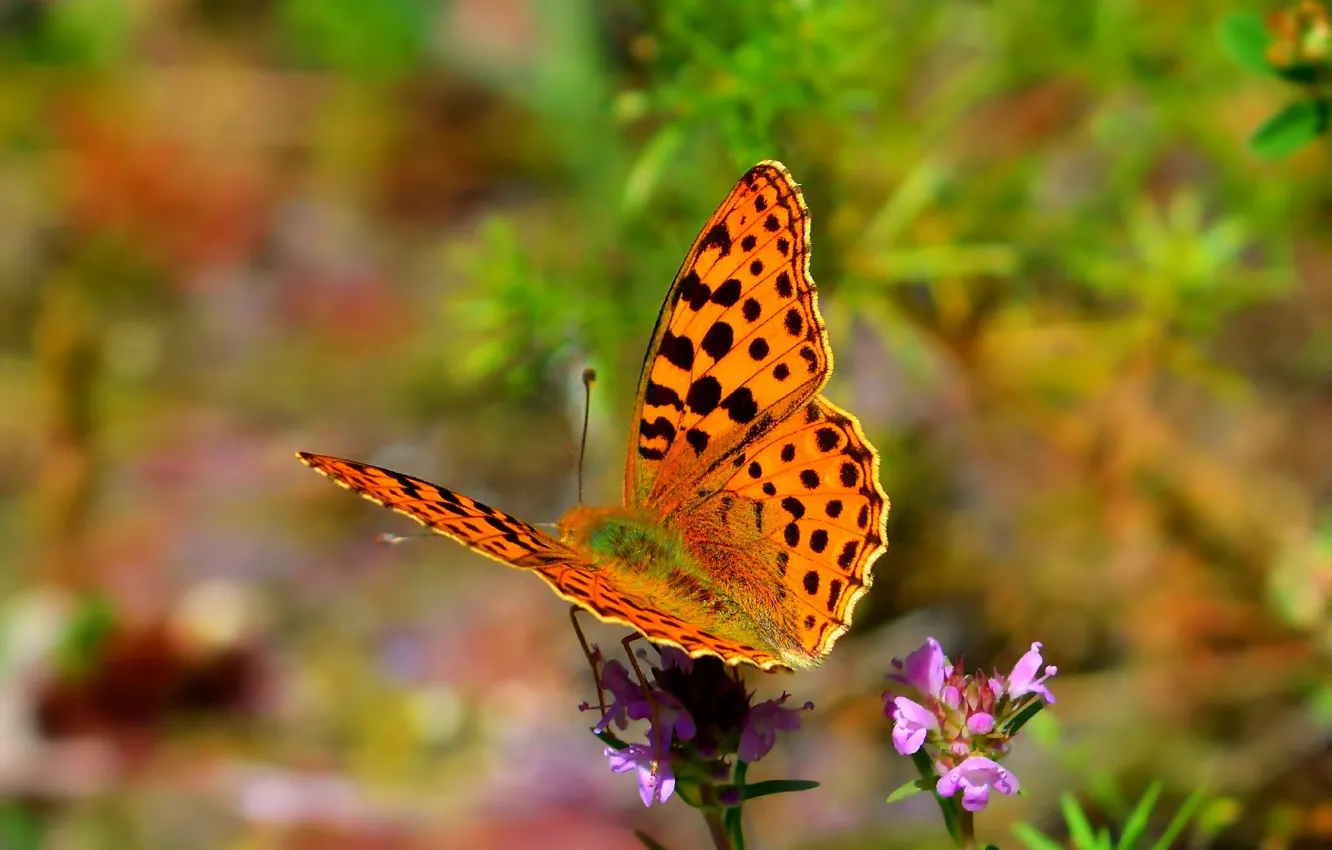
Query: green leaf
{"x": 648, "y": 841}
{"x": 911, "y": 789}
{"x": 1137, "y": 821}
{"x": 1079, "y": 828}
{"x": 775, "y": 786}
{"x": 1290, "y": 129}
{"x": 646, "y": 172}
{"x": 1023, "y": 716}
{"x": 608, "y": 738}
{"x": 1180, "y": 820}
{"x": 1033, "y": 838}
{"x": 1246, "y": 39}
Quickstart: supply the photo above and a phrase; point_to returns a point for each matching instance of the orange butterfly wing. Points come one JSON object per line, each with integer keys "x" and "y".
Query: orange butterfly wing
{"x": 815, "y": 480}
{"x": 732, "y": 439}
{"x": 504, "y": 538}
{"x": 739, "y": 342}
{"x": 479, "y": 527}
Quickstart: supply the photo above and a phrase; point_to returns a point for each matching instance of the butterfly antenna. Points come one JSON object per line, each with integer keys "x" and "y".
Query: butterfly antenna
{"x": 589, "y": 375}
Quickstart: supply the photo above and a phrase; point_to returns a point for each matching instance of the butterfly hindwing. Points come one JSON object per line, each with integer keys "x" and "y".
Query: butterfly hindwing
{"x": 598, "y": 593}
{"x": 739, "y": 343}
{"x": 815, "y": 479}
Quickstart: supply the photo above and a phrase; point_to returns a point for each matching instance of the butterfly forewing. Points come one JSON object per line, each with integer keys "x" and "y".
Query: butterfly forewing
{"x": 739, "y": 343}
{"x": 482, "y": 528}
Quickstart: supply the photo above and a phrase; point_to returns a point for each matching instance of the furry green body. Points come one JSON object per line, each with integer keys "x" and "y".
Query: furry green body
{"x": 663, "y": 569}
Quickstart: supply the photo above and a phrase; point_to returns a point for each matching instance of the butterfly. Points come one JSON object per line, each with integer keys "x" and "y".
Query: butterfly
{"x": 752, "y": 507}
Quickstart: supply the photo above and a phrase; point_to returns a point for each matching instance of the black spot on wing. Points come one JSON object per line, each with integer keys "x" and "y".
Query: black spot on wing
{"x": 848, "y": 556}
{"x": 718, "y": 340}
{"x": 740, "y": 405}
{"x": 811, "y": 359}
{"x": 818, "y": 540}
{"x": 658, "y": 395}
{"x": 791, "y": 534}
{"x": 717, "y": 237}
{"x": 849, "y": 474}
{"x": 727, "y": 294}
{"x": 678, "y": 351}
{"x": 659, "y": 427}
{"x": 697, "y": 439}
{"x": 704, "y": 395}
{"x": 827, "y": 439}
{"x": 834, "y": 591}
{"x": 795, "y": 323}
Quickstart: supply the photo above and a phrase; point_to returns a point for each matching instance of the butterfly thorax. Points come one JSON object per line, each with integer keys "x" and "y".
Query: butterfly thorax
{"x": 628, "y": 542}
{"x": 659, "y": 567}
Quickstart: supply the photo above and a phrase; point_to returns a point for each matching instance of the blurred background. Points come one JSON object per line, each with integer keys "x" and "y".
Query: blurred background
{"x": 1088, "y": 328}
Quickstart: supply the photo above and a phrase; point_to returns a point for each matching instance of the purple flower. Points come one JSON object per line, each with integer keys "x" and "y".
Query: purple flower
{"x": 980, "y": 723}
{"x": 911, "y": 723}
{"x": 628, "y": 700}
{"x": 976, "y": 776}
{"x": 1022, "y": 680}
{"x": 652, "y": 788}
{"x": 924, "y": 669}
{"x": 759, "y": 732}
{"x": 673, "y": 717}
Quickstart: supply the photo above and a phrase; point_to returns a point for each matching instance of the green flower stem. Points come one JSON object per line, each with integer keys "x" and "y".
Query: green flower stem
{"x": 968, "y": 824}
{"x": 713, "y": 815}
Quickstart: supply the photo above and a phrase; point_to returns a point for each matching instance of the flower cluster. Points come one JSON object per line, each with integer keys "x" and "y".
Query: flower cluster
{"x": 966, "y": 720}
{"x": 700, "y": 716}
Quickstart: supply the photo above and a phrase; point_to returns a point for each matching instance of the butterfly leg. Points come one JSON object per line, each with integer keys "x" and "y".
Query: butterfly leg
{"x": 591, "y": 656}
{"x": 647, "y": 692}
